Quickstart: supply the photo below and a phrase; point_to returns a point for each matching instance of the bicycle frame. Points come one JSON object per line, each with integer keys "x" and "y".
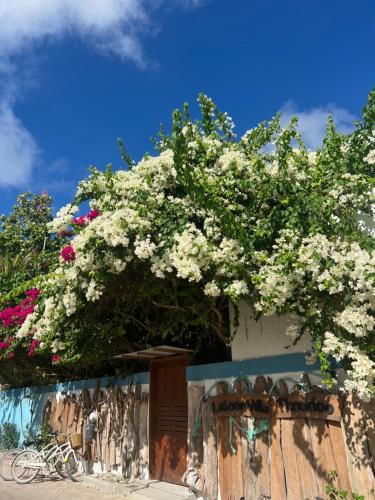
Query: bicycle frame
{"x": 51, "y": 455}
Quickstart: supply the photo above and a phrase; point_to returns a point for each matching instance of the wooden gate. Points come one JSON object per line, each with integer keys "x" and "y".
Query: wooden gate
{"x": 168, "y": 419}
{"x": 289, "y": 460}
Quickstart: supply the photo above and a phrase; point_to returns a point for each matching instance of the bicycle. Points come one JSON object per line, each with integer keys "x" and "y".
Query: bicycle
{"x": 54, "y": 457}
{"x": 8, "y": 456}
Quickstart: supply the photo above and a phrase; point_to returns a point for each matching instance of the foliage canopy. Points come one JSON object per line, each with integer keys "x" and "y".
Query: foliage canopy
{"x": 211, "y": 219}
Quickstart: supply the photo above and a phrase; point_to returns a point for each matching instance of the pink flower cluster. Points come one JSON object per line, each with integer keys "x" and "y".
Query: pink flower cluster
{"x": 85, "y": 219}
{"x": 7, "y": 342}
{"x": 68, "y": 254}
{"x": 33, "y": 346}
{"x": 55, "y": 359}
{"x": 15, "y": 316}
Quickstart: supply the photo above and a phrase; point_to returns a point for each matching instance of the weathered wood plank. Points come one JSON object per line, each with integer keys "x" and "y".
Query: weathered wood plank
{"x": 136, "y": 418}
{"x": 292, "y": 478}
{"x": 143, "y": 437}
{"x": 249, "y": 466}
{"x": 65, "y": 415}
{"x": 230, "y": 464}
{"x": 210, "y": 458}
{"x": 339, "y": 452}
{"x": 70, "y": 427}
{"x": 321, "y": 447}
{"x": 195, "y": 443}
{"x": 262, "y": 448}
{"x": 305, "y": 459}
{"x": 278, "y": 486}
{"x": 358, "y": 428}
{"x": 194, "y": 474}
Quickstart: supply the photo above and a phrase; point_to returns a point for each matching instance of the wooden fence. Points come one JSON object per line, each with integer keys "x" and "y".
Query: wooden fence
{"x": 290, "y": 461}
{"x": 122, "y": 432}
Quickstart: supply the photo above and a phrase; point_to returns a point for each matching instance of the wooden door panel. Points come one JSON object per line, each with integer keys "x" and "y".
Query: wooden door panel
{"x": 168, "y": 419}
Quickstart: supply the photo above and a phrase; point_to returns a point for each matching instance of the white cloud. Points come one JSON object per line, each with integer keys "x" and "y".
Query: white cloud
{"x": 106, "y": 24}
{"x": 111, "y": 27}
{"x": 18, "y": 150}
{"x": 312, "y": 122}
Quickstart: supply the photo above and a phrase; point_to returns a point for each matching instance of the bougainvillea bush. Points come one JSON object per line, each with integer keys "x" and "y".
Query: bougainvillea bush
{"x": 213, "y": 219}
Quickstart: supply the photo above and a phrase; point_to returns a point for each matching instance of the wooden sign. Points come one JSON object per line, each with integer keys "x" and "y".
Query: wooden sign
{"x": 316, "y": 405}
{"x": 310, "y": 405}
{"x": 252, "y": 405}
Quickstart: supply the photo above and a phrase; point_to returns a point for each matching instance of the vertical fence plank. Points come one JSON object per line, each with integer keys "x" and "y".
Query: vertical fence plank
{"x": 278, "y": 486}
{"x": 210, "y": 459}
{"x": 143, "y": 437}
{"x": 262, "y": 449}
{"x": 249, "y": 466}
{"x": 305, "y": 458}
{"x": 194, "y": 459}
{"x": 322, "y": 451}
{"x": 230, "y": 463}
{"x": 292, "y": 479}
{"x": 339, "y": 452}
{"x": 137, "y": 410}
{"x": 358, "y": 426}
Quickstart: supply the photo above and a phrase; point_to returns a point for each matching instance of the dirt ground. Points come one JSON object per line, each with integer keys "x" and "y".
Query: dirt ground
{"x": 45, "y": 489}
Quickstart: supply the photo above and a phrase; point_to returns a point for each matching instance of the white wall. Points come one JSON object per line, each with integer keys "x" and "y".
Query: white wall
{"x": 265, "y": 337}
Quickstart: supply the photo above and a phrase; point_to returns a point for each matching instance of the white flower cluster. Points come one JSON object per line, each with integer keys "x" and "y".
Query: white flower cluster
{"x": 356, "y": 320}
{"x": 362, "y": 373}
{"x": 190, "y": 254}
{"x": 144, "y": 249}
{"x": 63, "y": 218}
{"x": 370, "y": 158}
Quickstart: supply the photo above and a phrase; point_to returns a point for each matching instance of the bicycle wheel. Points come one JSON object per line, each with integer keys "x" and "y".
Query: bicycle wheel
{"x": 75, "y": 466}
{"x": 6, "y": 463}
{"x": 25, "y": 466}
{"x": 60, "y": 469}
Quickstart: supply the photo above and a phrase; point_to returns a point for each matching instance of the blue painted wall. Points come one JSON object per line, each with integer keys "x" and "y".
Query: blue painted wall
{"x": 249, "y": 367}
{"x": 24, "y": 407}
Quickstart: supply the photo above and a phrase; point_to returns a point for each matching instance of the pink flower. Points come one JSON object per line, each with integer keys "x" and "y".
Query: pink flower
{"x": 13, "y": 316}
{"x": 4, "y": 345}
{"x": 55, "y": 359}
{"x": 34, "y": 344}
{"x": 80, "y": 221}
{"x": 11, "y": 355}
{"x": 33, "y": 293}
{"x": 93, "y": 214}
{"x": 68, "y": 254}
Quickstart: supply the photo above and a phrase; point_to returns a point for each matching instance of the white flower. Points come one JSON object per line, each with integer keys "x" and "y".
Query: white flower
{"x": 94, "y": 291}
{"x": 211, "y": 289}
{"x": 63, "y": 218}
{"x": 57, "y": 345}
{"x": 293, "y": 331}
{"x": 144, "y": 249}
{"x": 355, "y": 320}
{"x": 370, "y": 158}
{"x": 237, "y": 289}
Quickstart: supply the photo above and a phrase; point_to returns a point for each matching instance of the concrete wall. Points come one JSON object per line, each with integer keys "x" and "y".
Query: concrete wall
{"x": 265, "y": 337}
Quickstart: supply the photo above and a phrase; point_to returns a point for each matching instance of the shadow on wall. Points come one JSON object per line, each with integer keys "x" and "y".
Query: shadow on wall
{"x": 22, "y": 407}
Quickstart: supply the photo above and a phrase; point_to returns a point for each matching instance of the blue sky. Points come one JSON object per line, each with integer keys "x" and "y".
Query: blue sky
{"x": 74, "y": 76}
